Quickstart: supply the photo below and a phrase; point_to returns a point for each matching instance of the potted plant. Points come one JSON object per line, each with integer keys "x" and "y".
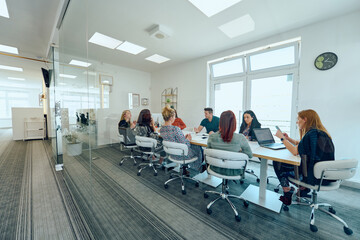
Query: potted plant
{"x": 73, "y": 145}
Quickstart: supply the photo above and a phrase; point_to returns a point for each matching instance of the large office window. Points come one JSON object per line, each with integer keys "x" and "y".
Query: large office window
{"x": 13, "y": 97}
{"x": 264, "y": 81}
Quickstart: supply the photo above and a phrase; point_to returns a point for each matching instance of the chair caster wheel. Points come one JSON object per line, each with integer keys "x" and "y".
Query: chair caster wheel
{"x": 138, "y": 167}
{"x": 120, "y": 164}
{"x": 286, "y": 208}
{"x": 170, "y": 177}
{"x": 276, "y": 190}
{"x": 209, "y": 211}
{"x": 246, "y": 204}
{"x": 134, "y": 164}
{"x": 238, "y": 218}
{"x": 227, "y": 192}
{"x": 206, "y": 195}
{"x": 155, "y": 174}
{"x": 332, "y": 210}
{"x": 138, "y": 174}
{"x": 183, "y": 192}
{"x": 241, "y": 181}
{"x": 166, "y": 186}
{"x": 348, "y": 231}
{"x": 196, "y": 184}
{"x": 258, "y": 180}
{"x": 313, "y": 228}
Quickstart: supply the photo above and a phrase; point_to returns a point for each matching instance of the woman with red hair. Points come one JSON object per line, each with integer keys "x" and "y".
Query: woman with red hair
{"x": 226, "y": 139}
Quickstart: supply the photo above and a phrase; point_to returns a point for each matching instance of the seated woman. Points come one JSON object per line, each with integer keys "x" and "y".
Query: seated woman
{"x": 315, "y": 145}
{"x": 174, "y": 134}
{"x": 248, "y": 124}
{"x": 226, "y": 139}
{"x": 125, "y": 120}
{"x": 145, "y": 127}
{"x": 178, "y": 122}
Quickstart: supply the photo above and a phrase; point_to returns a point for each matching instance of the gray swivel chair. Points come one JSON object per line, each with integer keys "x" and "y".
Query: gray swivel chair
{"x": 179, "y": 149}
{"x": 127, "y": 140}
{"x": 327, "y": 170}
{"x": 149, "y": 144}
{"x": 229, "y": 160}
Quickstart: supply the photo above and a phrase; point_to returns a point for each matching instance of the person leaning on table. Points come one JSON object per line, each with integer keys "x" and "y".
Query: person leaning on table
{"x": 315, "y": 145}
{"x": 210, "y": 122}
{"x": 226, "y": 139}
{"x": 248, "y": 124}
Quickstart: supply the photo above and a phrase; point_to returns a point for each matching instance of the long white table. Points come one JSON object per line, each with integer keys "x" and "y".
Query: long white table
{"x": 260, "y": 195}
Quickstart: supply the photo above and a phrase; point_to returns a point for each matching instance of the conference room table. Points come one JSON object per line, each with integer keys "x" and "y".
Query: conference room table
{"x": 257, "y": 195}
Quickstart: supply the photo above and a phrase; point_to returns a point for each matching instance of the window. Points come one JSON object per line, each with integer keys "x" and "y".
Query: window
{"x": 230, "y": 67}
{"x": 264, "y": 81}
{"x": 13, "y": 97}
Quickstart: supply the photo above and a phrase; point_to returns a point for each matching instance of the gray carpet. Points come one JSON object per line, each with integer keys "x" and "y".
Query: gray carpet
{"x": 126, "y": 206}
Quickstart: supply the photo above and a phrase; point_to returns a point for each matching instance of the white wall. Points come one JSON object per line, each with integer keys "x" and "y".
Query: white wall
{"x": 126, "y": 81}
{"x": 333, "y": 93}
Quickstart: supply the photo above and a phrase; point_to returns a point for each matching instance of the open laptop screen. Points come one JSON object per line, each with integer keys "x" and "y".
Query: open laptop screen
{"x": 264, "y": 135}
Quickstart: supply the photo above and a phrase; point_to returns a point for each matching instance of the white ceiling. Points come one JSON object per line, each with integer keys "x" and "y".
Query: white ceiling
{"x": 29, "y": 28}
{"x": 194, "y": 34}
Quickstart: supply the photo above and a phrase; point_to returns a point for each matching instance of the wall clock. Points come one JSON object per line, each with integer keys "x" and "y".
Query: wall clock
{"x": 325, "y": 61}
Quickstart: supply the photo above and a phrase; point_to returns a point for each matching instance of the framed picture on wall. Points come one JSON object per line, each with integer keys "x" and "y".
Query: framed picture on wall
{"x": 105, "y": 80}
{"x": 136, "y": 100}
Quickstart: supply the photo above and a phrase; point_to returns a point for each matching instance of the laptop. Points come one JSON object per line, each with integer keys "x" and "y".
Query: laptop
{"x": 129, "y": 136}
{"x": 266, "y": 139}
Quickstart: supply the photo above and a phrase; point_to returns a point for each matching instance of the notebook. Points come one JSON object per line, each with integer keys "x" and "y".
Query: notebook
{"x": 266, "y": 139}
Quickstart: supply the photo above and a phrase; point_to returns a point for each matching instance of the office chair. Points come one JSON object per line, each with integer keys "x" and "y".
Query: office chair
{"x": 148, "y": 143}
{"x": 229, "y": 160}
{"x": 327, "y": 170}
{"x": 179, "y": 149}
{"x": 125, "y": 142}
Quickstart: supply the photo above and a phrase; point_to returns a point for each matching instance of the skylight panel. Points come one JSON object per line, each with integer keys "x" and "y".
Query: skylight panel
{"x": 79, "y": 63}
{"x": 17, "y": 69}
{"x": 8, "y": 49}
{"x": 67, "y": 76}
{"x": 157, "y": 58}
{"x": 212, "y": 7}
{"x": 3, "y": 9}
{"x": 238, "y": 26}
{"x": 131, "y": 48}
{"x": 105, "y": 41}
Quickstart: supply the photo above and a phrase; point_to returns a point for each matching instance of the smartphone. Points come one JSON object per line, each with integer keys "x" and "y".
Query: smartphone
{"x": 278, "y": 128}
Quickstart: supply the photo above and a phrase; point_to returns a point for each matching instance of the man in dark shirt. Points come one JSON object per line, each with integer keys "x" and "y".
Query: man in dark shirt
{"x": 210, "y": 122}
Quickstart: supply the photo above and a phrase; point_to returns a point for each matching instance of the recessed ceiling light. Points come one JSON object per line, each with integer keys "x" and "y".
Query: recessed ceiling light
{"x": 11, "y": 68}
{"x": 18, "y": 79}
{"x": 212, "y": 7}
{"x": 8, "y": 49}
{"x": 79, "y": 63}
{"x": 66, "y": 76}
{"x": 105, "y": 41}
{"x": 238, "y": 26}
{"x": 131, "y": 48}
{"x": 3, "y": 9}
{"x": 157, "y": 58}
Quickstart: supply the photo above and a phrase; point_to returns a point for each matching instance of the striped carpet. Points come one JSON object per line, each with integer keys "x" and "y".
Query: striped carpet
{"x": 126, "y": 206}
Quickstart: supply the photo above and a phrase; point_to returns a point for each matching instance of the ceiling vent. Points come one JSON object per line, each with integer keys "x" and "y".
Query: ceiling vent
{"x": 160, "y": 32}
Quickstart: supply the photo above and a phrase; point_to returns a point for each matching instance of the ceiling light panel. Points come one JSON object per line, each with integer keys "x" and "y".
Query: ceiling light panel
{"x": 17, "y": 79}
{"x": 3, "y": 9}
{"x": 79, "y": 63}
{"x": 67, "y": 76}
{"x": 8, "y": 49}
{"x": 105, "y": 41}
{"x": 157, "y": 58}
{"x": 131, "y": 48}
{"x": 212, "y": 7}
{"x": 17, "y": 69}
{"x": 238, "y": 26}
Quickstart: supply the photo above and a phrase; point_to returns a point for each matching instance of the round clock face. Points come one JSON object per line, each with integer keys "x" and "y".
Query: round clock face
{"x": 325, "y": 61}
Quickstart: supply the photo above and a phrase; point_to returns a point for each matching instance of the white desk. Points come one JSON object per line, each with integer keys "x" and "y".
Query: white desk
{"x": 260, "y": 195}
